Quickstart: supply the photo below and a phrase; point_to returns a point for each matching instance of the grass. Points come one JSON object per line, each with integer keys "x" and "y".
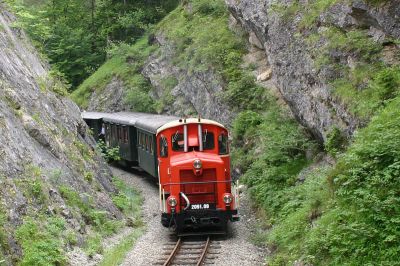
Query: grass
{"x": 212, "y": 46}
{"x": 124, "y": 63}
{"x": 41, "y": 241}
{"x": 116, "y": 255}
{"x": 128, "y": 200}
{"x": 98, "y": 219}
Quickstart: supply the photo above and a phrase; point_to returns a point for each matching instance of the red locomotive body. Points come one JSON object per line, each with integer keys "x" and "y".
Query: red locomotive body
{"x": 196, "y": 189}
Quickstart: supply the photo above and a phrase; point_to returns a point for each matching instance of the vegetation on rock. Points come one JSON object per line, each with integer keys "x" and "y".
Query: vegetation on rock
{"x": 75, "y": 34}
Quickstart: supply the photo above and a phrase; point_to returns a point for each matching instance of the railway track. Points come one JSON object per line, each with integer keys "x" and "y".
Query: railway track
{"x": 189, "y": 252}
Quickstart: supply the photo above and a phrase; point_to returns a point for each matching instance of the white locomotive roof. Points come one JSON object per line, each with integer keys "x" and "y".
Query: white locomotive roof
{"x": 188, "y": 121}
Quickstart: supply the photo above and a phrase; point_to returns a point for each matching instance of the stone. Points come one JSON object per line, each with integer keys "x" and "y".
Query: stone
{"x": 255, "y": 41}
{"x": 306, "y": 91}
{"x": 265, "y": 75}
{"x": 41, "y": 137}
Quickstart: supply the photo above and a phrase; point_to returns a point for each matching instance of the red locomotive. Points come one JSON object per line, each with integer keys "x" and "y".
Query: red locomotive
{"x": 194, "y": 173}
{"x": 191, "y": 161}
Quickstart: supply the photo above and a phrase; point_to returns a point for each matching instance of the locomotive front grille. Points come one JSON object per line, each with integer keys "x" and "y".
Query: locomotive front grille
{"x": 199, "y": 189}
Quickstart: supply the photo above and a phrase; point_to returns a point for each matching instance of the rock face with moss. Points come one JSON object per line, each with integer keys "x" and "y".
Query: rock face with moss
{"x": 53, "y": 186}
{"x": 182, "y": 91}
{"x": 320, "y": 52}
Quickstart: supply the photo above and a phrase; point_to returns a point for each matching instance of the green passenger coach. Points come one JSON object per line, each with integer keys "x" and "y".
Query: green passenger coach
{"x": 146, "y": 139}
{"x": 94, "y": 120}
{"x": 133, "y": 133}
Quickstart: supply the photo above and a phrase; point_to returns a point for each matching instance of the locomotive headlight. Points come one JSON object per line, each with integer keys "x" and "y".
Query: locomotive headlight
{"x": 172, "y": 201}
{"x": 228, "y": 198}
{"x": 197, "y": 164}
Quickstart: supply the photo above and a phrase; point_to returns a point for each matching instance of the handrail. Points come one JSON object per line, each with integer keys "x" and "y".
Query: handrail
{"x": 186, "y": 199}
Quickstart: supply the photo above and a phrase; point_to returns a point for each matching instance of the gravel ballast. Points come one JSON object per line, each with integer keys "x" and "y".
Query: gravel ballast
{"x": 236, "y": 247}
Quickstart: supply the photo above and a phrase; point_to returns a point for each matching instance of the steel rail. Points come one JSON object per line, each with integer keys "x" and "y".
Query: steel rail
{"x": 203, "y": 255}
{"x": 173, "y": 253}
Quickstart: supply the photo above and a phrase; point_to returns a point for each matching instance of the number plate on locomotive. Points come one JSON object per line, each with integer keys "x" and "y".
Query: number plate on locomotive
{"x": 204, "y": 206}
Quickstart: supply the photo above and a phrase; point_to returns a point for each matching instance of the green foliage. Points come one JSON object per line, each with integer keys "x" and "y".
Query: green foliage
{"x": 367, "y": 190}
{"x": 109, "y": 154}
{"x": 213, "y": 46}
{"x": 166, "y": 99}
{"x": 128, "y": 200}
{"x": 138, "y": 97}
{"x": 41, "y": 241}
{"x": 32, "y": 184}
{"x": 4, "y": 245}
{"x": 117, "y": 254}
{"x": 98, "y": 219}
{"x": 75, "y": 35}
{"x": 271, "y": 155}
{"x": 313, "y": 10}
{"x": 84, "y": 150}
{"x": 346, "y": 215}
{"x": 125, "y": 62}
{"x": 369, "y": 83}
{"x": 88, "y": 176}
{"x": 335, "y": 141}
{"x": 93, "y": 245}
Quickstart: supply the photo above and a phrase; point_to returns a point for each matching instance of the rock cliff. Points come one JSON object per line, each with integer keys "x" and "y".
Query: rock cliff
{"x": 45, "y": 148}
{"x": 279, "y": 29}
{"x": 191, "y": 93}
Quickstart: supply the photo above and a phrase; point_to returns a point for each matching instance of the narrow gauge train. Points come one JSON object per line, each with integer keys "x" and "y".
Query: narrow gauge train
{"x": 190, "y": 158}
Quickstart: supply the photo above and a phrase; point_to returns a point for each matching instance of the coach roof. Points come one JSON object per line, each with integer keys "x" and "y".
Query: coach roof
{"x": 94, "y": 115}
{"x": 126, "y": 118}
{"x": 153, "y": 123}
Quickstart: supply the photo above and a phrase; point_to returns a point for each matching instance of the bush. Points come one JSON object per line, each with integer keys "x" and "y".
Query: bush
{"x": 41, "y": 241}
{"x": 335, "y": 141}
{"x": 109, "y": 154}
{"x": 345, "y": 215}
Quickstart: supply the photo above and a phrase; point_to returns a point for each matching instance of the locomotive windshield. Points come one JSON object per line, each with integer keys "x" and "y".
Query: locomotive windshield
{"x": 223, "y": 144}
{"x": 208, "y": 140}
{"x": 178, "y": 143}
{"x": 163, "y": 147}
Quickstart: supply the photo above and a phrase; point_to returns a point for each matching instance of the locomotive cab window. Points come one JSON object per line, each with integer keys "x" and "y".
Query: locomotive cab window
{"x": 223, "y": 144}
{"x": 177, "y": 142}
{"x": 163, "y": 147}
{"x": 208, "y": 140}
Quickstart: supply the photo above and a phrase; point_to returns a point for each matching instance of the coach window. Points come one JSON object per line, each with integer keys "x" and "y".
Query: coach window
{"x": 146, "y": 137}
{"x": 208, "y": 140}
{"x": 143, "y": 141}
{"x": 178, "y": 143}
{"x": 125, "y": 134}
{"x": 114, "y": 133}
{"x": 163, "y": 147}
{"x": 223, "y": 144}
{"x": 107, "y": 129}
{"x": 151, "y": 145}
{"x": 119, "y": 132}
